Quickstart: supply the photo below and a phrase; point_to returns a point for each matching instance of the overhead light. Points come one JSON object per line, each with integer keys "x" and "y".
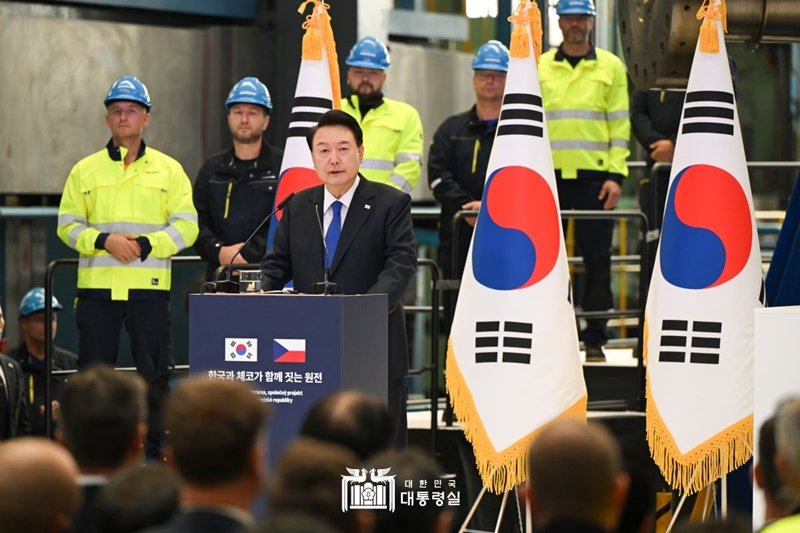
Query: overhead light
{"x": 481, "y": 8}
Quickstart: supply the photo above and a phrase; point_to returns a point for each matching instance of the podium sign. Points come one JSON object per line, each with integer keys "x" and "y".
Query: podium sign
{"x": 291, "y": 349}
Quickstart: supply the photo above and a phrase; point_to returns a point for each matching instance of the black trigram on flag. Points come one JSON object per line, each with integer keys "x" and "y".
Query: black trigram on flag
{"x": 522, "y": 114}
{"x": 702, "y": 343}
{"x": 306, "y": 113}
{"x": 511, "y": 344}
{"x": 708, "y": 112}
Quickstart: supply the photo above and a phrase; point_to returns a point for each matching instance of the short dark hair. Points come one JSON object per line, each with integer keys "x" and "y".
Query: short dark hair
{"x": 773, "y": 484}
{"x": 137, "y": 498}
{"x": 336, "y": 117}
{"x": 213, "y": 428}
{"x": 353, "y": 419}
{"x": 412, "y": 465}
{"x": 101, "y": 410}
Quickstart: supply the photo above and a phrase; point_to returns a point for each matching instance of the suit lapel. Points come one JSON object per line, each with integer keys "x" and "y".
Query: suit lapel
{"x": 315, "y": 233}
{"x": 358, "y": 212}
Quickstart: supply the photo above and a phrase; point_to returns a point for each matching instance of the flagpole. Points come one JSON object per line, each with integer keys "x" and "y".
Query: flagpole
{"x": 502, "y": 510}
{"x": 528, "y": 517}
{"x": 725, "y": 497}
{"x": 463, "y": 527}
{"x": 680, "y": 504}
{"x": 705, "y": 504}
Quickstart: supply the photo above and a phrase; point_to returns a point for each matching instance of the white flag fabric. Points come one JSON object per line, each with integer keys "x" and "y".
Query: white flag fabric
{"x": 317, "y": 92}
{"x": 706, "y": 282}
{"x": 513, "y": 362}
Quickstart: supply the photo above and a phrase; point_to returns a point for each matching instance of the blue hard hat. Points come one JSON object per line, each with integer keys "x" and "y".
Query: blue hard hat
{"x": 369, "y": 52}
{"x": 128, "y": 88}
{"x": 575, "y": 7}
{"x": 491, "y": 56}
{"x": 33, "y": 301}
{"x": 249, "y": 91}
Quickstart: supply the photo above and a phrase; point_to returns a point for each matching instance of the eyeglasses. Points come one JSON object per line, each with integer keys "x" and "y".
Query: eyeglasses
{"x": 490, "y": 75}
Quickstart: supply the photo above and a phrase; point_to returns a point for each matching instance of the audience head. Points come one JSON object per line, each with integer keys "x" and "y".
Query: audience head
{"x": 575, "y": 473}
{"x": 102, "y": 420}
{"x": 777, "y": 495}
{"x": 414, "y": 466}
{"x": 639, "y": 513}
{"x": 731, "y": 525}
{"x": 353, "y": 419}
{"x": 215, "y": 434}
{"x": 787, "y": 440}
{"x": 309, "y": 480}
{"x": 38, "y": 492}
{"x": 137, "y": 498}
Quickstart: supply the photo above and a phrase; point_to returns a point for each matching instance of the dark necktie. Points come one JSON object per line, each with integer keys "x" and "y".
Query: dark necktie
{"x": 334, "y": 231}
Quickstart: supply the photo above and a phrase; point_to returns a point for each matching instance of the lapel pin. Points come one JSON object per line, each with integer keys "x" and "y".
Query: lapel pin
{"x": 367, "y": 206}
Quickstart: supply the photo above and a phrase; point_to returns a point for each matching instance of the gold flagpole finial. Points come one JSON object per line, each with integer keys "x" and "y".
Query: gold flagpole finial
{"x": 710, "y": 12}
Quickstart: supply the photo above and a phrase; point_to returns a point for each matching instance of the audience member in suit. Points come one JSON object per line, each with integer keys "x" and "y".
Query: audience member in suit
{"x": 14, "y": 421}
{"x": 137, "y": 498}
{"x": 413, "y": 466}
{"x": 216, "y": 443}
{"x": 102, "y": 424}
{"x": 576, "y": 481}
{"x": 371, "y": 248}
{"x": 787, "y": 460}
{"x": 308, "y": 481}
{"x": 353, "y": 419}
{"x": 777, "y": 496}
{"x": 38, "y": 493}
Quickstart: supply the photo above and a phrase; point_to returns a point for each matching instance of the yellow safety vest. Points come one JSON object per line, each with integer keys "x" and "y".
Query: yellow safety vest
{"x": 587, "y": 113}
{"x": 789, "y": 524}
{"x": 151, "y": 198}
{"x": 392, "y": 142}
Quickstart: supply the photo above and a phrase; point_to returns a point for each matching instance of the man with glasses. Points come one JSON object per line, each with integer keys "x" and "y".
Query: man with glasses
{"x": 459, "y": 156}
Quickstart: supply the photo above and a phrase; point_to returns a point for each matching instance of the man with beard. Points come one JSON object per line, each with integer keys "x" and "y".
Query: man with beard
{"x": 585, "y": 95}
{"x": 235, "y": 189}
{"x": 392, "y": 129}
{"x": 459, "y": 156}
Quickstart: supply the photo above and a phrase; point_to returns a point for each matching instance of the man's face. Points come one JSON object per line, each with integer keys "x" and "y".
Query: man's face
{"x": 576, "y": 28}
{"x": 489, "y": 84}
{"x": 365, "y": 82}
{"x": 32, "y": 326}
{"x": 336, "y": 157}
{"x": 126, "y": 120}
{"x": 247, "y": 122}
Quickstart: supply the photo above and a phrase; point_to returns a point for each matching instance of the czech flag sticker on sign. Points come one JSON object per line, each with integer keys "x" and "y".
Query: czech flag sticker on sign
{"x": 289, "y": 351}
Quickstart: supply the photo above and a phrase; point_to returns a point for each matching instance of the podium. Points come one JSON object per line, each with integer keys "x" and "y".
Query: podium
{"x": 291, "y": 349}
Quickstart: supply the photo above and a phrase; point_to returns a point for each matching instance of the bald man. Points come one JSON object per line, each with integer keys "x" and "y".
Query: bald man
{"x": 353, "y": 419}
{"x": 38, "y": 492}
{"x": 576, "y": 481}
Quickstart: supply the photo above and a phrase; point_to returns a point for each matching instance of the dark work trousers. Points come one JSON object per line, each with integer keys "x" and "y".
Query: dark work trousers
{"x": 654, "y": 211}
{"x": 398, "y": 411}
{"x": 148, "y": 326}
{"x": 593, "y": 238}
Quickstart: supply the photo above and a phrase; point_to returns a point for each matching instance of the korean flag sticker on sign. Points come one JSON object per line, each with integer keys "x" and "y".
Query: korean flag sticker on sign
{"x": 241, "y": 350}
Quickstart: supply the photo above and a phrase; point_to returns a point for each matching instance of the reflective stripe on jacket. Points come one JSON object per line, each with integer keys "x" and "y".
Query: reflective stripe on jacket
{"x": 587, "y": 112}
{"x": 152, "y": 198}
{"x": 392, "y": 142}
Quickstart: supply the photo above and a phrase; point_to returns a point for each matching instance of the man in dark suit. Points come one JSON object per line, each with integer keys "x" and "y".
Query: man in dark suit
{"x": 215, "y": 441}
{"x": 14, "y": 421}
{"x": 369, "y": 245}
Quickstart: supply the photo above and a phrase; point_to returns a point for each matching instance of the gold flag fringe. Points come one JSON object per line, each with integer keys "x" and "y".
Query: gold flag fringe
{"x": 710, "y": 12}
{"x": 693, "y": 471}
{"x": 504, "y": 470}
{"x": 319, "y": 34}
{"x": 526, "y": 17}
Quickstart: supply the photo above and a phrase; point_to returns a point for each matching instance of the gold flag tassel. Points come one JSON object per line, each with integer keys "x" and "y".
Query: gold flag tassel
{"x": 712, "y": 11}
{"x": 319, "y": 34}
{"x": 520, "y": 40}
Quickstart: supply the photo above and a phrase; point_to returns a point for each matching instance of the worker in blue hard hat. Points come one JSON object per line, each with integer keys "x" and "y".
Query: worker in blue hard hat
{"x": 392, "y": 129}
{"x": 127, "y": 209}
{"x": 30, "y": 355}
{"x": 459, "y": 156}
{"x": 585, "y": 96}
{"x": 235, "y": 189}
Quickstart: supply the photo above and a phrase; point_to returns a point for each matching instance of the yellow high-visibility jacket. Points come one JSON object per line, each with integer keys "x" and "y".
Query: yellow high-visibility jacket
{"x": 151, "y": 198}
{"x": 392, "y": 142}
{"x": 587, "y": 113}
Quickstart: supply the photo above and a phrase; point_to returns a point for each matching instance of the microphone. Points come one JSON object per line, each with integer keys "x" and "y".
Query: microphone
{"x": 227, "y": 280}
{"x": 325, "y": 286}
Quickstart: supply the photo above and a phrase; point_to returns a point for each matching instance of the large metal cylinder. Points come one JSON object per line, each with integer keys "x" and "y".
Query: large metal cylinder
{"x": 659, "y": 36}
